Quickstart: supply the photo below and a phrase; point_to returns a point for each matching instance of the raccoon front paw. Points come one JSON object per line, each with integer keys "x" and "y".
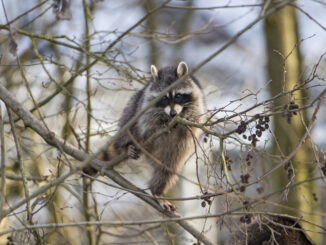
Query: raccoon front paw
{"x": 132, "y": 152}
{"x": 167, "y": 206}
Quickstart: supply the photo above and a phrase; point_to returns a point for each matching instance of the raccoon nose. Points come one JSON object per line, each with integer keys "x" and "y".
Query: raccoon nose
{"x": 173, "y": 113}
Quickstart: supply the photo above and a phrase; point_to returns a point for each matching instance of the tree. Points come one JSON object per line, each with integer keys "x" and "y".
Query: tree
{"x": 285, "y": 73}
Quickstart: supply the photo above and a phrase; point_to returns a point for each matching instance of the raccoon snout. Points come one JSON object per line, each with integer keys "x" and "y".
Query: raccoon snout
{"x": 173, "y": 113}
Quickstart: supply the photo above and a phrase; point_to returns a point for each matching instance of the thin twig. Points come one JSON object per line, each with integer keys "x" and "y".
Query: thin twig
{"x": 3, "y": 164}
{"x": 21, "y": 164}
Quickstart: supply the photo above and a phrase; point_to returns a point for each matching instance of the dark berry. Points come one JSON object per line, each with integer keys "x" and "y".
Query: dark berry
{"x": 260, "y": 189}
{"x": 315, "y": 197}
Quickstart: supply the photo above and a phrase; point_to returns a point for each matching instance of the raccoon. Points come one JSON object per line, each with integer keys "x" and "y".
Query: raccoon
{"x": 173, "y": 148}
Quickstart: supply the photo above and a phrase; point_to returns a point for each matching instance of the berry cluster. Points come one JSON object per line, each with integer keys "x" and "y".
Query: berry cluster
{"x": 248, "y": 158}
{"x": 245, "y": 178}
{"x": 242, "y": 128}
{"x": 261, "y": 125}
{"x": 290, "y": 110}
{"x": 206, "y": 199}
{"x": 289, "y": 170}
{"x": 228, "y": 161}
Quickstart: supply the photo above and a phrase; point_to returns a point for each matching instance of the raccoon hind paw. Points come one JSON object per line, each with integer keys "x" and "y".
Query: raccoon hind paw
{"x": 167, "y": 206}
{"x": 132, "y": 152}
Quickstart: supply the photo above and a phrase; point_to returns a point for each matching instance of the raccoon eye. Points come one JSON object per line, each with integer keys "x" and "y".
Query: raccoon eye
{"x": 178, "y": 98}
{"x": 163, "y": 102}
{"x": 182, "y": 98}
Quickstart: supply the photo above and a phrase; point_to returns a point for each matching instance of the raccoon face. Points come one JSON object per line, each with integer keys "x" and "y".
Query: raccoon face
{"x": 180, "y": 98}
{"x": 174, "y": 102}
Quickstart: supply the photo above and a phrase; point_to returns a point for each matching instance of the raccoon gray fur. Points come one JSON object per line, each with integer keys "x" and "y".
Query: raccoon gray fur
{"x": 173, "y": 148}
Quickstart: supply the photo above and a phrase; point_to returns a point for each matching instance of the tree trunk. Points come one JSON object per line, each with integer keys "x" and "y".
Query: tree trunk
{"x": 284, "y": 66}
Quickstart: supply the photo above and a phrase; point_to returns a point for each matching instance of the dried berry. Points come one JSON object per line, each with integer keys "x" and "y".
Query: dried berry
{"x": 315, "y": 197}
{"x": 254, "y": 142}
{"x": 242, "y": 188}
{"x": 244, "y": 136}
{"x": 241, "y": 128}
{"x": 248, "y": 219}
{"x": 290, "y": 173}
{"x": 248, "y": 157}
{"x": 260, "y": 121}
{"x": 260, "y": 189}
{"x": 259, "y": 133}
{"x": 293, "y": 106}
{"x": 242, "y": 219}
{"x": 245, "y": 219}
{"x": 244, "y": 178}
{"x": 203, "y": 204}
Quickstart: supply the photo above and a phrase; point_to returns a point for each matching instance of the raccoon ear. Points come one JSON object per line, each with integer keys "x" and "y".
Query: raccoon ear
{"x": 182, "y": 69}
{"x": 154, "y": 72}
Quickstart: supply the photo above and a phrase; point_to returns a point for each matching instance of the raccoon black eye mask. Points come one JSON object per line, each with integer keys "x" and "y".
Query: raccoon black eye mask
{"x": 173, "y": 104}
{"x": 178, "y": 99}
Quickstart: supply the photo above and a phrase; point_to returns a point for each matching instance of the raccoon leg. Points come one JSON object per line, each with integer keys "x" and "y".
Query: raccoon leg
{"x": 159, "y": 185}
